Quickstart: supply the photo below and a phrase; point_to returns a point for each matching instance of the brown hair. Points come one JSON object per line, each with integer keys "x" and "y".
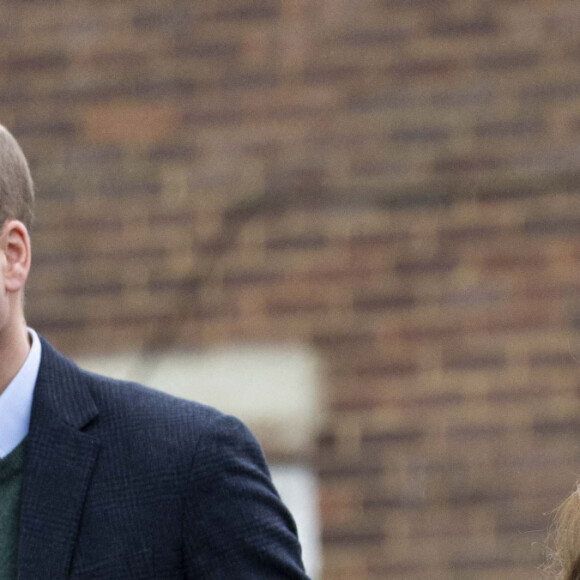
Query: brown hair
{"x": 564, "y": 541}
{"x": 16, "y": 187}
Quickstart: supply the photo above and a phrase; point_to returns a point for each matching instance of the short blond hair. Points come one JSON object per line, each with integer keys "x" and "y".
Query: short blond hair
{"x": 564, "y": 541}
{"x": 16, "y": 186}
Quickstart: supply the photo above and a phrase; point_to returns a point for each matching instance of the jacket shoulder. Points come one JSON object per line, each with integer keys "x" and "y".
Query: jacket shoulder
{"x": 135, "y": 403}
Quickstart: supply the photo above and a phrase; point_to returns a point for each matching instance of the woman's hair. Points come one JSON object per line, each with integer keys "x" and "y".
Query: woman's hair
{"x": 564, "y": 541}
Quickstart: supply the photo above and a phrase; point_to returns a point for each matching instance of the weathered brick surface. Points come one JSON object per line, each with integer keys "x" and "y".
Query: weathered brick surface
{"x": 395, "y": 183}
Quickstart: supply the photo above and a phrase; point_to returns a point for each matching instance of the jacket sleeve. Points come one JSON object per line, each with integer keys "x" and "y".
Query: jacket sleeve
{"x": 235, "y": 525}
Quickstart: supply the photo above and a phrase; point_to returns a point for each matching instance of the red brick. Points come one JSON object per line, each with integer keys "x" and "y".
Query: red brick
{"x": 506, "y": 61}
{"x": 121, "y": 122}
{"x": 406, "y": 69}
{"x": 48, "y": 62}
{"x": 453, "y": 27}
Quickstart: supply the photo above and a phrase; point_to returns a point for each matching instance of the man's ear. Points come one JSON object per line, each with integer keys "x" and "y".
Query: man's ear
{"x": 15, "y": 245}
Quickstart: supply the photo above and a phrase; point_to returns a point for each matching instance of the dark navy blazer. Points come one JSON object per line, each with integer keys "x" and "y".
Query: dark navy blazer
{"x": 123, "y": 482}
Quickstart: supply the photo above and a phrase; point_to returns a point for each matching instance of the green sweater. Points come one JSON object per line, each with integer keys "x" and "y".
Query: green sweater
{"x": 11, "y": 471}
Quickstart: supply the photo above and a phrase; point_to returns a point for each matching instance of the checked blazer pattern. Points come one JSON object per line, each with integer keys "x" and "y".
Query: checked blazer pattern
{"x": 123, "y": 482}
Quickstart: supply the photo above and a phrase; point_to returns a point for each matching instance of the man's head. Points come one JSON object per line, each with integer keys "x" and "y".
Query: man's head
{"x": 16, "y": 211}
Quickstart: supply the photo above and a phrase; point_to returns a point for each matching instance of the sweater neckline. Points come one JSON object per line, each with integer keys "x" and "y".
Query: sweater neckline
{"x": 12, "y": 464}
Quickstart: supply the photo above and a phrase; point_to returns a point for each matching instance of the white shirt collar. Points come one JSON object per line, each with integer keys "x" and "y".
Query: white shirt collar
{"x": 16, "y": 400}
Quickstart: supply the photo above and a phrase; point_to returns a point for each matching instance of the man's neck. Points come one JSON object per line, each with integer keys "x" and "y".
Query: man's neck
{"x": 14, "y": 348}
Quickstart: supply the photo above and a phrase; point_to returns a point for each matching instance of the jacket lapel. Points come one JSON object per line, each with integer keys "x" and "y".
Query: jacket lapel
{"x": 59, "y": 462}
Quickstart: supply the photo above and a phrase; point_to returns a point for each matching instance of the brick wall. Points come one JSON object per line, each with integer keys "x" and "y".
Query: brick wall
{"x": 393, "y": 182}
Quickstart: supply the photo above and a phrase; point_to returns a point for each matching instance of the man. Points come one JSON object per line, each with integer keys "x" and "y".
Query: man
{"x": 104, "y": 479}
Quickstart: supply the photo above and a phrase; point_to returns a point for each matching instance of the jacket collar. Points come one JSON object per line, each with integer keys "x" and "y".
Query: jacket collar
{"x": 60, "y": 458}
{"x": 61, "y": 391}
